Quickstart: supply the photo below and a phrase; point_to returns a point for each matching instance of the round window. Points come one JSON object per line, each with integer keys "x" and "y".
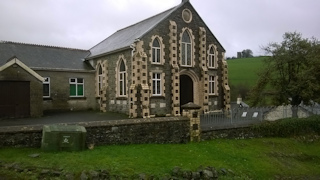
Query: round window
{"x": 187, "y": 15}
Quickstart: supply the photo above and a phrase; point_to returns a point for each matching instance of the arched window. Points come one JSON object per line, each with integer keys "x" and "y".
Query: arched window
{"x": 212, "y": 62}
{"x": 186, "y": 49}
{"x": 122, "y": 79}
{"x": 156, "y": 53}
{"x": 100, "y": 79}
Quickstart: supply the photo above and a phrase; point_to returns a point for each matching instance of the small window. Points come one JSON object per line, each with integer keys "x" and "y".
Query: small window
{"x": 156, "y": 53}
{"x": 186, "y": 49}
{"x": 212, "y": 59}
{"x": 156, "y": 84}
{"x": 46, "y": 87}
{"x": 100, "y": 79}
{"x": 211, "y": 85}
{"x": 76, "y": 87}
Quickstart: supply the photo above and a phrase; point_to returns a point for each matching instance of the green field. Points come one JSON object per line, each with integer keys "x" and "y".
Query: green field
{"x": 244, "y": 71}
{"x": 293, "y": 156}
{"x": 263, "y": 158}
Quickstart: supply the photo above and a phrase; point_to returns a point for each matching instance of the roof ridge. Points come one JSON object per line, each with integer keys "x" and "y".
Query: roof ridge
{"x": 41, "y": 45}
{"x": 146, "y": 19}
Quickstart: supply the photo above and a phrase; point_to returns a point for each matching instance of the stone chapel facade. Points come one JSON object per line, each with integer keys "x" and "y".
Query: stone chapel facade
{"x": 155, "y": 66}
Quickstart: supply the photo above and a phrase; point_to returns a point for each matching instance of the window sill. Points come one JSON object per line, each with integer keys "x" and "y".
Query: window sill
{"x": 157, "y": 64}
{"x": 213, "y": 95}
{"x": 158, "y": 97}
{"x": 47, "y": 98}
{"x": 77, "y": 98}
{"x": 121, "y": 98}
{"x": 186, "y": 66}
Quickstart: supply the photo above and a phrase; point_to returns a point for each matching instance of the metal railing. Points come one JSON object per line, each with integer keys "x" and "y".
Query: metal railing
{"x": 241, "y": 117}
{"x": 244, "y": 117}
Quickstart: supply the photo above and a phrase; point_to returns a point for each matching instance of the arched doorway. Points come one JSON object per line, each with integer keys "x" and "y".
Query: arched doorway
{"x": 186, "y": 89}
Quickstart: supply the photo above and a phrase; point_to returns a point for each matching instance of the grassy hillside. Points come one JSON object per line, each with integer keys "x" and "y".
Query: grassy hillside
{"x": 243, "y": 75}
{"x": 244, "y": 71}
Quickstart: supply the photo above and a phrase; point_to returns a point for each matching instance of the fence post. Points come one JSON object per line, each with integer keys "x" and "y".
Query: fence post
{"x": 231, "y": 115}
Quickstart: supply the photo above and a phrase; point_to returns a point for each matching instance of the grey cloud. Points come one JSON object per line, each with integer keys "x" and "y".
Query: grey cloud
{"x": 81, "y": 24}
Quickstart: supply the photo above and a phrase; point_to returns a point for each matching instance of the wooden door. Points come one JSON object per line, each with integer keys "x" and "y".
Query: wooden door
{"x": 14, "y": 99}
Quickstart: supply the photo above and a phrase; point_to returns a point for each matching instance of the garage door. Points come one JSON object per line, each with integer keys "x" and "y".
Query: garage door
{"x": 14, "y": 99}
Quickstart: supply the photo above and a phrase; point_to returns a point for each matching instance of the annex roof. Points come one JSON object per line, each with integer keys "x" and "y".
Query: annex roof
{"x": 125, "y": 37}
{"x": 16, "y": 61}
{"x": 39, "y": 57}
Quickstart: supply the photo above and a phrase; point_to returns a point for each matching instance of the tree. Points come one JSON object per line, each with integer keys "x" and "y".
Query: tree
{"x": 291, "y": 74}
{"x": 247, "y": 53}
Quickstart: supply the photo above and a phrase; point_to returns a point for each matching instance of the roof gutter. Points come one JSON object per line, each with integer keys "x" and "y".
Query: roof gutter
{"x": 107, "y": 53}
{"x": 61, "y": 70}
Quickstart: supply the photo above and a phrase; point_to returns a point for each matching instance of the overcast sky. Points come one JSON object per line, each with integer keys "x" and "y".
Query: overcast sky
{"x": 237, "y": 24}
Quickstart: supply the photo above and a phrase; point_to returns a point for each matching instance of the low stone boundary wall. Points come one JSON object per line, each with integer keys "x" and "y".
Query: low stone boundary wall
{"x": 234, "y": 133}
{"x": 128, "y": 131}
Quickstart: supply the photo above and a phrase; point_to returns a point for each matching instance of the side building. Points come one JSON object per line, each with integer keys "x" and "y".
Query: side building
{"x": 35, "y": 79}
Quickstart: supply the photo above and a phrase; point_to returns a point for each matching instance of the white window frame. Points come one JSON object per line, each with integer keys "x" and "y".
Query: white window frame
{"x": 122, "y": 78}
{"x": 47, "y": 82}
{"x": 212, "y": 85}
{"x": 100, "y": 76}
{"x": 212, "y": 58}
{"x": 156, "y": 52}
{"x": 75, "y": 81}
{"x": 184, "y": 48}
{"x": 156, "y": 84}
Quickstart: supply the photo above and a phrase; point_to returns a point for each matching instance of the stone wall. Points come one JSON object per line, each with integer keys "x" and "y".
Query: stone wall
{"x": 281, "y": 112}
{"x": 236, "y": 133}
{"x": 130, "y": 131}
{"x": 60, "y": 99}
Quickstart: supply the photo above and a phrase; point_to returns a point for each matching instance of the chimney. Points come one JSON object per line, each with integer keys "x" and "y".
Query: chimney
{"x": 184, "y": 1}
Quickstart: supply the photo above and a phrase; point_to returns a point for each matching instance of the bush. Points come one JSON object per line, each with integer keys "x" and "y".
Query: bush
{"x": 289, "y": 127}
{"x": 241, "y": 90}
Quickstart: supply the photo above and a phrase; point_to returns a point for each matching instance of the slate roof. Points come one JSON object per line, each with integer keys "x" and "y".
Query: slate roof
{"x": 44, "y": 57}
{"x": 123, "y": 38}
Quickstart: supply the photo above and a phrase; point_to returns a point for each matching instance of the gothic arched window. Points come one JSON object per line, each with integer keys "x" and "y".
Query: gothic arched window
{"x": 122, "y": 79}
{"x": 212, "y": 59}
{"x": 186, "y": 49}
{"x": 100, "y": 79}
{"x": 156, "y": 51}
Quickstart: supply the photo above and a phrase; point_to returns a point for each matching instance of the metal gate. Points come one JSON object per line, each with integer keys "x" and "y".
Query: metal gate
{"x": 14, "y": 99}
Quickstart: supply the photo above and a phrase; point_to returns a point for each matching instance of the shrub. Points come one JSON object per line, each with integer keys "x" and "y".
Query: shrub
{"x": 289, "y": 127}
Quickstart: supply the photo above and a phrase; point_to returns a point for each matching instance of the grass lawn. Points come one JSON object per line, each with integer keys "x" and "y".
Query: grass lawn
{"x": 244, "y": 71}
{"x": 264, "y": 158}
